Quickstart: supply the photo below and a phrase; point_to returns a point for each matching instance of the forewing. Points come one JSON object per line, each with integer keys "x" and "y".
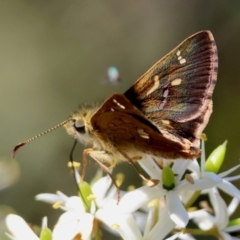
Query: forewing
{"x": 119, "y": 125}
{"x": 175, "y": 94}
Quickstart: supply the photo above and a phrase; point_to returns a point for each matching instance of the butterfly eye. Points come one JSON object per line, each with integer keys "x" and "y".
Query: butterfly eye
{"x": 79, "y": 125}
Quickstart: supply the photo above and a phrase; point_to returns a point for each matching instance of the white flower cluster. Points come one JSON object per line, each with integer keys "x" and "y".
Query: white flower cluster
{"x": 146, "y": 213}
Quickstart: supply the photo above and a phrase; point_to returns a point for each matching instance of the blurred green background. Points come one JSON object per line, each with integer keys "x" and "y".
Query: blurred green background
{"x": 54, "y": 56}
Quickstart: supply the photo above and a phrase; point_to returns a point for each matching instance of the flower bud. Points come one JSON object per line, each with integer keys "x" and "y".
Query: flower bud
{"x": 168, "y": 178}
{"x": 85, "y": 192}
{"x": 215, "y": 160}
{"x": 46, "y": 234}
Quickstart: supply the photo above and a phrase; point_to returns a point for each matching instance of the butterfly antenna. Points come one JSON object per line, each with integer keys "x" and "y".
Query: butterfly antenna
{"x": 21, "y": 144}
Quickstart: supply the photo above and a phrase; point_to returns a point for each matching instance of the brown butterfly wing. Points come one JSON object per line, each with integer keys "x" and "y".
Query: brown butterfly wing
{"x": 120, "y": 126}
{"x": 175, "y": 94}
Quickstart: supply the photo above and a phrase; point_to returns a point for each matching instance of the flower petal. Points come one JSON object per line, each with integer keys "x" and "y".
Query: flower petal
{"x": 49, "y": 198}
{"x": 226, "y": 173}
{"x": 229, "y": 188}
{"x": 185, "y": 236}
{"x": 101, "y": 187}
{"x": 162, "y": 228}
{"x": 133, "y": 200}
{"x": 141, "y": 219}
{"x": 194, "y": 167}
{"x": 173, "y": 236}
{"x": 19, "y": 228}
{"x": 199, "y": 184}
{"x": 220, "y": 208}
{"x": 151, "y": 219}
{"x": 150, "y": 167}
{"x": 204, "y": 220}
{"x": 75, "y": 203}
{"x": 176, "y": 209}
{"x": 44, "y": 222}
{"x": 232, "y": 178}
{"x": 226, "y": 236}
{"x": 179, "y": 168}
{"x": 233, "y": 206}
{"x": 70, "y": 224}
{"x": 124, "y": 224}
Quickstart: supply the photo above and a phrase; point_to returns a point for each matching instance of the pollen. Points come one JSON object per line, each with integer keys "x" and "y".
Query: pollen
{"x": 91, "y": 197}
{"x": 131, "y": 188}
{"x": 74, "y": 164}
{"x": 115, "y": 226}
{"x": 57, "y": 205}
{"x": 189, "y": 178}
{"x": 119, "y": 179}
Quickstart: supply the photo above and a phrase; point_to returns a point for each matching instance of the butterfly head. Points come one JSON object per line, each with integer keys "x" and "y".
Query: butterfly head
{"x": 80, "y": 127}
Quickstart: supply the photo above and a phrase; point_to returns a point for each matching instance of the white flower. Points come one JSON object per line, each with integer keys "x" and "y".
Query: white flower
{"x": 219, "y": 222}
{"x": 224, "y": 184}
{"x": 78, "y": 220}
{"x": 127, "y": 227}
{"x": 70, "y": 224}
{"x": 172, "y": 198}
{"x": 162, "y": 204}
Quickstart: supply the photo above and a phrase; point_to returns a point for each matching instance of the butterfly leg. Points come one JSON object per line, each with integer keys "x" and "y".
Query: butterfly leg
{"x": 150, "y": 182}
{"x": 99, "y": 157}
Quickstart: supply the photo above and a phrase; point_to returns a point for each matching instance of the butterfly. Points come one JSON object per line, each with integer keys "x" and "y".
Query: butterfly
{"x": 163, "y": 114}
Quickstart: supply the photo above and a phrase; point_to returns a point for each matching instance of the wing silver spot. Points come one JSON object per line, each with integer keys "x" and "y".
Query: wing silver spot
{"x": 165, "y": 94}
{"x": 165, "y": 122}
{"x": 176, "y": 82}
{"x": 180, "y": 58}
{"x": 118, "y": 104}
{"x": 182, "y": 61}
{"x": 142, "y": 133}
{"x": 155, "y": 85}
